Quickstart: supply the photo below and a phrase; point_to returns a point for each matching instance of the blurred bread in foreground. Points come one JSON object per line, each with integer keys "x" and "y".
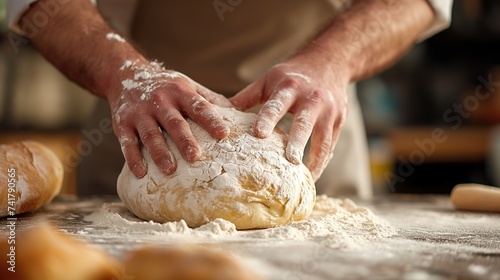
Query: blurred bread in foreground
{"x": 184, "y": 263}
{"x": 42, "y": 252}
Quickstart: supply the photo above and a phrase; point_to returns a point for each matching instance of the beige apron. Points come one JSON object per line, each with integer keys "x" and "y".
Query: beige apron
{"x": 225, "y": 49}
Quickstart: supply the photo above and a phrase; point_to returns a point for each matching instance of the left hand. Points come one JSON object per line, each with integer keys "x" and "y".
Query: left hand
{"x": 315, "y": 95}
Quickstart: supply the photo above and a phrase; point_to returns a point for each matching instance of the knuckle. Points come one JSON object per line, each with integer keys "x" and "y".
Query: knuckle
{"x": 304, "y": 115}
{"x": 342, "y": 118}
{"x": 290, "y": 82}
{"x": 303, "y": 125}
{"x": 174, "y": 122}
{"x": 121, "y": 114}
{"x": 118, "y": 130}
{"x": 157, "y": 96}
{"x": 178, "y": 87}
{"x": 319, "y": 96}
{"x": 285, "y": 94}
{"x": 324, "y": 148}
{"x": 156, "y": 149}
{"x": 150, "y": 135}
{"x": 127, "y": 141}
{"x": 201, "y": 105}
{"x": 273, "y": 108}
{"x": 157, "y": 152}
{"x": 185, "y": 141}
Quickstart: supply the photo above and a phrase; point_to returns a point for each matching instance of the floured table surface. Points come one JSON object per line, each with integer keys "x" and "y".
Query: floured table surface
{"x": 433, "y": 242}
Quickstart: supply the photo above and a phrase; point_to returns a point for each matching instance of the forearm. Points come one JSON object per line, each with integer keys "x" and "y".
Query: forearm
{"x": 370, "y": 35}
{"x": 74, "y": 40}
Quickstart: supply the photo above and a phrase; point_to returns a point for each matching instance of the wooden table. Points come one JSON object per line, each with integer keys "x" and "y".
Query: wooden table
{"x": 434, "y": 242}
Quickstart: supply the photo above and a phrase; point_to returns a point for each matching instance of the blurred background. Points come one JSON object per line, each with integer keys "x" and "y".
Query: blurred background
{"x": 432, "y": 119}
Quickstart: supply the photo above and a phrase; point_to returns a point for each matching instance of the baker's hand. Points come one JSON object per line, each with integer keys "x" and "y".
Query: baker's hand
{"x": 151, "y": 100}
{"x": 316, "y": 96}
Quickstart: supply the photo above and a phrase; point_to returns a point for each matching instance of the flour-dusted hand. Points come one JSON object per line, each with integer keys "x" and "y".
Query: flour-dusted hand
{"x": 153, "y": 100}
{"x": 316, "y": 96}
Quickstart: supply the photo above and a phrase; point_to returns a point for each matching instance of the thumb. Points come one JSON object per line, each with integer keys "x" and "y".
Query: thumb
{"x": 250, "y": 96}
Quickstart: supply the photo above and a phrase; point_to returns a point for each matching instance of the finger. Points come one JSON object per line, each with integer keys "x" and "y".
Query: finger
{"x": 250, "y": 96}
{"x": 214, "y": 98}
{"x": 178, "y": 129}
{"x": 204, "y": 113}
{"x": 322, "y": 143}
{"x": 273, "y": 110}
{"x": 154, "y": 141}
{"x": 300, "y": 131}
{"x": 131, "y": 152}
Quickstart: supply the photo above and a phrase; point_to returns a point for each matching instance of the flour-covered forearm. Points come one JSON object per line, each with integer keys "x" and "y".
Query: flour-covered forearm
{"x": 76, "y": 39}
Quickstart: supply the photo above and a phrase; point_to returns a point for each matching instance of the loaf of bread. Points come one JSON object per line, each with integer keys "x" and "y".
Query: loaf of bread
{"x": 42, "y": 252}
{"x": 32, "y": 174}
{"x": 186, "y": 263}
{"x": 243, "y": 179}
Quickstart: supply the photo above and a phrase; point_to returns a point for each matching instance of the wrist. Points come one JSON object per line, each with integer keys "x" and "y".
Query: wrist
{"x": 325, "y": 63}
{"x": 118, "y": 74}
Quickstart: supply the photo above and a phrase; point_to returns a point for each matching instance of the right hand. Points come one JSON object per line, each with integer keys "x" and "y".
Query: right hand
{"x": 152, "y": 99}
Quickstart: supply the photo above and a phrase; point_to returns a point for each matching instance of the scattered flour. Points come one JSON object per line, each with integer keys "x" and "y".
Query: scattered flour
{"x": 116, "y": 37}
{"x": 337, "y": 223}
{"x": 302, "y": 76}
{"x": 147, "y": 77}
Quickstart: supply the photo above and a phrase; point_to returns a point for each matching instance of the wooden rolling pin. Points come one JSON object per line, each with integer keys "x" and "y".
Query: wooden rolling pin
{"x": 476, "y": 197}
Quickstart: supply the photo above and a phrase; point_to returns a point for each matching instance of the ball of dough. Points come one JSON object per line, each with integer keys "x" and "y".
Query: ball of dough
{"x": 243, "y": 179}
{"x": 187, "y": 263}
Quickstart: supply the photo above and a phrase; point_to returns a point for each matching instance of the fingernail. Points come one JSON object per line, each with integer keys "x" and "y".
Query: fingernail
{"x": 191, "y": 152}
{"x": 263, "y": 129}
{"x": 294, "y": 154}
{"x": 139, "y": 170}
{"x": 167, "y": 166}
{"x": 222, "y": 130}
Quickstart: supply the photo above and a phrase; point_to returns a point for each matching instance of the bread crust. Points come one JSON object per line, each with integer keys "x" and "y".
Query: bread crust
{"x": 37, "y": 174}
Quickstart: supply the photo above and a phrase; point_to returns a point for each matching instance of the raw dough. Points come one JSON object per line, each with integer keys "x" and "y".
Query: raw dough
{"x": 243, "y": 179}
{"x": 476, "y": 197}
